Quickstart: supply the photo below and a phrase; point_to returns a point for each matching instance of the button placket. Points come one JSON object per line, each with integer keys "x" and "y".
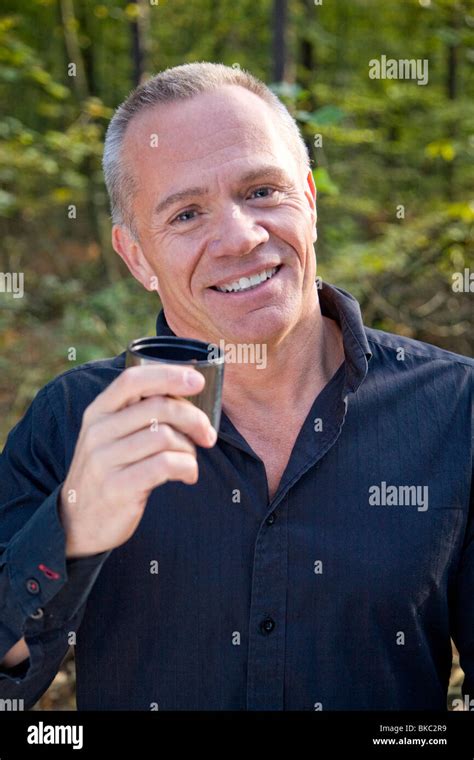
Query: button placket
{"x": 266, "y": 655}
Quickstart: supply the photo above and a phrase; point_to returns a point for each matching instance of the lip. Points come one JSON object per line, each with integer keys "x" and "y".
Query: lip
{"x": 257, "y": 290}
{"x": 249, "y": 273}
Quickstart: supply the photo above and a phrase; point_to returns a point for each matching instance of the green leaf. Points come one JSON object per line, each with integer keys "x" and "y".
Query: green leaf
{"x": 327, "y": 115}
{"x": 324, "y": 183}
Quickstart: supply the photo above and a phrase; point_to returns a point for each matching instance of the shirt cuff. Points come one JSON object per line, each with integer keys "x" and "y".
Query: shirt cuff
{"x": 46, "y": 588}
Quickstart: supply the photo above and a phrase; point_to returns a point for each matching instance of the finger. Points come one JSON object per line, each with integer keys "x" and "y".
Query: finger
{"x": 147, "y": 442}
{"x": 158, "y": 469}
{"x": 145, "y": 380}
{"x": 180, "y": 413}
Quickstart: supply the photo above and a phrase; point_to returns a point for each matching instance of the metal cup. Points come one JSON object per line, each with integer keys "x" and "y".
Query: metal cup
{"x": 206, "y": 358}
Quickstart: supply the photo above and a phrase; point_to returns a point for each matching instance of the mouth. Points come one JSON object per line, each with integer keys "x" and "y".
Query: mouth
{"x": 244, "y": 284}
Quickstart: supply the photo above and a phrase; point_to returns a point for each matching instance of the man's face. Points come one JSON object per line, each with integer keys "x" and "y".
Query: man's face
{"x": 244, "y": 206}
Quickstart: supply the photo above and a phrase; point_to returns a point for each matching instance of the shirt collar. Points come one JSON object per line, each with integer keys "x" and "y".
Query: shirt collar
{"x": 341, "y": 306}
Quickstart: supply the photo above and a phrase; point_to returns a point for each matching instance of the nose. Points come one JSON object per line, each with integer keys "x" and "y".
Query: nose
{"x": 238, "y": 233}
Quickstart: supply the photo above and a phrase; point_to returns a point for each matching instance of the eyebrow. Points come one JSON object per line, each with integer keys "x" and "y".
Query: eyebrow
{"x": 264, "y": 173}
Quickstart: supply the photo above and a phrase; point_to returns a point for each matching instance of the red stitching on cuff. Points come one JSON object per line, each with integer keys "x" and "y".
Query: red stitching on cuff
{"x": 51, "y": 574}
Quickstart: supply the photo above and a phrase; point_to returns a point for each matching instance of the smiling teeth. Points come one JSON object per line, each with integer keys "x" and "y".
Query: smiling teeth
{"x": 247, "y": 282}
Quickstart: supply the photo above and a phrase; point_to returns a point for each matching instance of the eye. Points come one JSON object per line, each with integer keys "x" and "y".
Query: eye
{"x": 267, "y": 192}
{"x": 184, "y": 216}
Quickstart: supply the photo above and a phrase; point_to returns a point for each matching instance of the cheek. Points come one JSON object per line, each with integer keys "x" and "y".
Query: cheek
{"x": 292, "y": 231}
{"x": 171, "y": 252}
{"x": 293, "y": 223}
{"x": 176, "y": 262}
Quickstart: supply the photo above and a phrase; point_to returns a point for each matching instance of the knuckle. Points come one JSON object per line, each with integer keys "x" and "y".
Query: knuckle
{"x": 203, "y": 421}
{"x": 88, "y": 413}
{"x": 163, "y": 467}
{"x": 171, "y": 408}
{"x": 92, "y": 436}
{"x": 194, "y": 470}
{"x": 165, "y": 461}
{"x": 165, "y": 434}
{"x": 128, "y": 377}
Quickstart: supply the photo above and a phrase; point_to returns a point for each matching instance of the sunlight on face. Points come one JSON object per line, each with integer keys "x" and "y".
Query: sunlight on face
{"x": 220, "y": 197}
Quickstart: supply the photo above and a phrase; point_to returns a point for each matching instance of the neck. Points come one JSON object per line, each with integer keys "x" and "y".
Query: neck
{"x": 297, "y": 369}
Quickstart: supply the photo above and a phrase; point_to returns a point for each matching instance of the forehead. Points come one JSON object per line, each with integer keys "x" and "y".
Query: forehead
{"x": 210, "y": 129}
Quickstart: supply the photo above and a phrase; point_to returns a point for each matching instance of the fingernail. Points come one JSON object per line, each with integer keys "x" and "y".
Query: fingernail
{"x": 192, "y": 378}
{"x": 212, "y": 435}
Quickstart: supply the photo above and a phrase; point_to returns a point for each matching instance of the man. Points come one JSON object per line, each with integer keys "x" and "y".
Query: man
{"x": 317, "y": 556}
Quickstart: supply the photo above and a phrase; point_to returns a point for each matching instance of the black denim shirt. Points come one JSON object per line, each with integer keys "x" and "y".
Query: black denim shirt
{"x": 340, "y": 593}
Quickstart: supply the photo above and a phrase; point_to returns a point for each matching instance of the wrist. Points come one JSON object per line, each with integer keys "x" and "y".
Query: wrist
{"x": 72, "y": 548}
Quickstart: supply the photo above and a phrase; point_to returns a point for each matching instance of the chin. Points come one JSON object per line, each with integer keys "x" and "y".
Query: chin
{"x": 264, "y": 325}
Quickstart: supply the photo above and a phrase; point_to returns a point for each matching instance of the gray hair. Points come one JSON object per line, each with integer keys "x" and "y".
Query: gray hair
{"x": 181, "y": 83}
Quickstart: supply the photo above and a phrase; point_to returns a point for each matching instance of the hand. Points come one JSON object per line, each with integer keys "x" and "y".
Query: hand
{"x": 135, "y": 436}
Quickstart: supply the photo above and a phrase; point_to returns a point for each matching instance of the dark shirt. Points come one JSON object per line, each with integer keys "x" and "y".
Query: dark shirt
{"x": 340, "y": 593}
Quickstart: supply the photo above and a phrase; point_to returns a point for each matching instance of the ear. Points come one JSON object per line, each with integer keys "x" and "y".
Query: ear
{"x": 129, "y": 249}
{"x": 310, "y": 193}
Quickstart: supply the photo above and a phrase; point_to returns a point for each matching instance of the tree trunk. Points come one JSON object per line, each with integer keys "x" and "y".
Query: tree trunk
{"x": 87, "y": 23}
{"x": 139, "y": 42}
{"x": 69, "y": 24}
{"x": 279, "y": 40}
{"x": 451, "y": 93}
{"x": 306, "y": 54}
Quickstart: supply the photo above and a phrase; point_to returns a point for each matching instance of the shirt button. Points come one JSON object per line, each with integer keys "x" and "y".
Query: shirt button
{"x": 267, "y": 625}
{"x": 271, "y": 518}
{"x": 33, "y": 586}
{"x": 38, "y": 614}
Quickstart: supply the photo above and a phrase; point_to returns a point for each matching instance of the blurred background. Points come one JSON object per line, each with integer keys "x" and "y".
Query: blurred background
{"x": 392, "y": 163}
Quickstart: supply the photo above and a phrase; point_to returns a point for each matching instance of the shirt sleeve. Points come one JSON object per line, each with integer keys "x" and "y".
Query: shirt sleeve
{"x": 42, "y": 594}
{"x": 463, "y": 612}
{"x": 463, "y": 607}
